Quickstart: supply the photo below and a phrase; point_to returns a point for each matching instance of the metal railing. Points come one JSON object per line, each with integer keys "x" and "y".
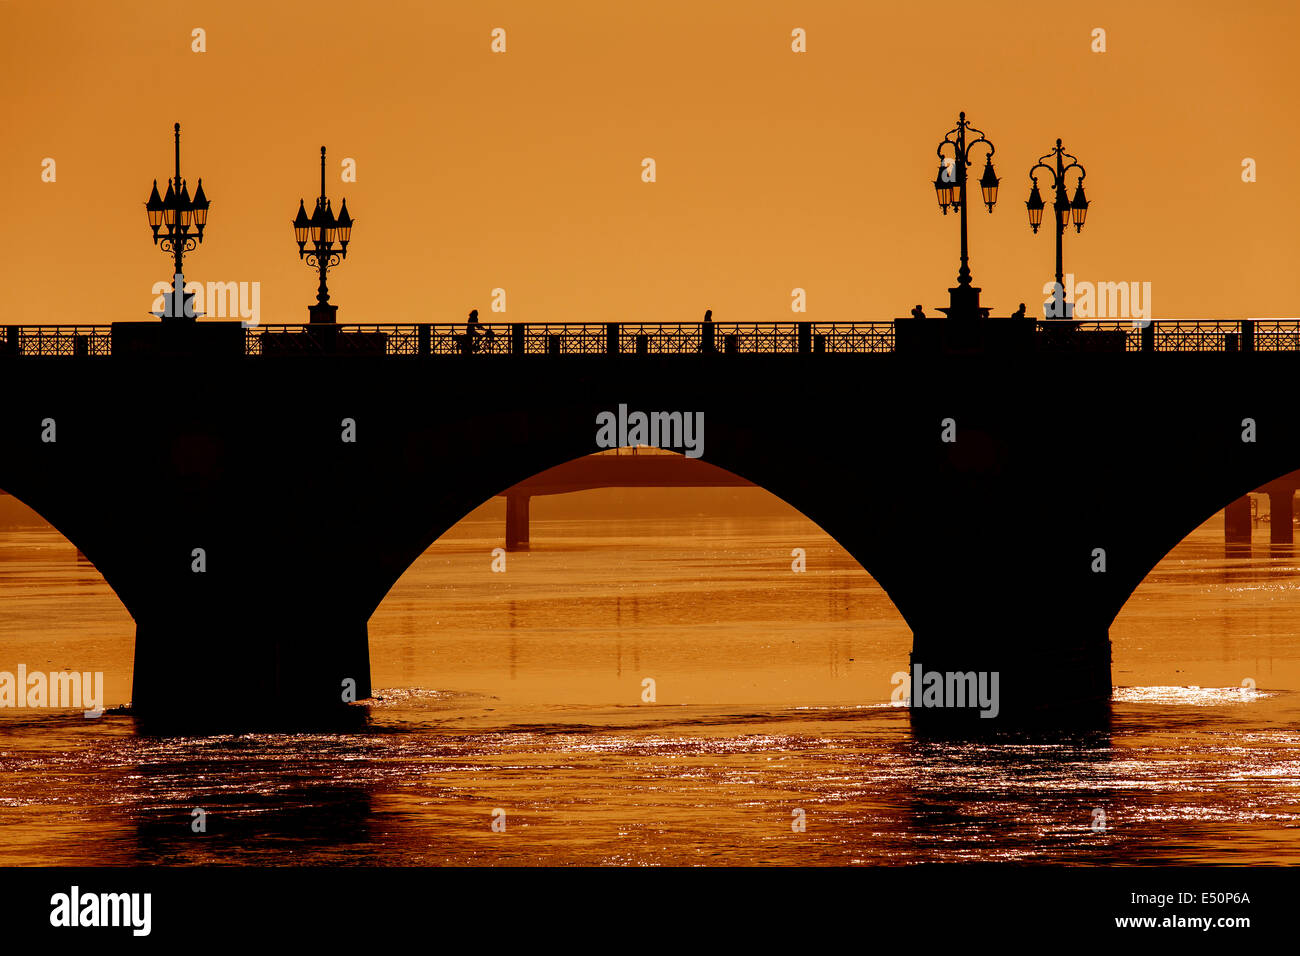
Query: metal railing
{"x": 583, "y": 338}
{"x": 1188, "y": 335}
{"x": 72, "y": 341}
{"x": 722, "y": 338}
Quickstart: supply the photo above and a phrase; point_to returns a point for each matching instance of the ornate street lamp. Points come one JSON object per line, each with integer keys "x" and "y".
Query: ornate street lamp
{"x": 323, "y": 231}
{"x": 181, "y": 221}
{"x": 1063, "y": 212}
{"x": 950, "y": 189}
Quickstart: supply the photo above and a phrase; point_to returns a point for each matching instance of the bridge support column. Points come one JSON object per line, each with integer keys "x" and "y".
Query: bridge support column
{"x": 517, "y": 522}
{"x": 1052, "y": 677}
{"x": 207, "y": 669}
{"x": 1281, "y": 507}
{"x": 1023, "y": 617}
{"x": 1236, "y": 521}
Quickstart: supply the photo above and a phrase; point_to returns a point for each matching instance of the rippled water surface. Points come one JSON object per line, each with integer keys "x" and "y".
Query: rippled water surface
{"x": 523, "y": 692}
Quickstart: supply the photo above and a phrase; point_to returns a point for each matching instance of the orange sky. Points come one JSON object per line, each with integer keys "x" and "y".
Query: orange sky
{"x": 522, "y": 170}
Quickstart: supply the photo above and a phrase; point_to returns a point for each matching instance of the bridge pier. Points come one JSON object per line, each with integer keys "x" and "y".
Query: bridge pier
{"x": 1025, "y": 617}
{"x": 1047, "y": 677}
{"x": 517, "y": 522}
{"x": 1237, "y": 521}
{"x": 298, "y": 669}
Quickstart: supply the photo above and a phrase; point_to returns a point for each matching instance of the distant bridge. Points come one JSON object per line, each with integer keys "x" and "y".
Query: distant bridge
{"x": 636, "y": 467}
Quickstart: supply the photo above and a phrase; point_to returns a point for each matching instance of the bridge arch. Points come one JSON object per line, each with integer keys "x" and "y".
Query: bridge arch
{"x": 90, "y": 546}
{"x": 874, "y": 609}
{"x": 421, "y": 538}
{"x": 1215, "y": 614}
{"x": 72, "y": 620}
{"x": 1180, "y": 512}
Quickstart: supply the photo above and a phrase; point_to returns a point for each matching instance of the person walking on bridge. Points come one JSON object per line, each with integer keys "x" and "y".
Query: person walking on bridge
{"x": 706, "y": 332}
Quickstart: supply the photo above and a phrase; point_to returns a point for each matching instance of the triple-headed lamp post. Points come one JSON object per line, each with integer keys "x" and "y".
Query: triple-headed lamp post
{"x": 950, "y": 188}
{"x": 323, "y": 231}
{"x": 178, "y": 214}
{"x": 1063, "y": 211}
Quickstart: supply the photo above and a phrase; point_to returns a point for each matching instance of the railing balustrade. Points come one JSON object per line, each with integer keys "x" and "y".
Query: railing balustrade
{"x": 686, "y": 338}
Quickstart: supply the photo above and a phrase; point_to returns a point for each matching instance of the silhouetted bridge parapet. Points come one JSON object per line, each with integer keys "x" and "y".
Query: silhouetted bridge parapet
{"x": 723, "y": 338}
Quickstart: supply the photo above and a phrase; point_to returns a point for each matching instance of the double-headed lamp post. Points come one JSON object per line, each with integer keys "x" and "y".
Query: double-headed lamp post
{"x": 182, "y": 220}
{"x": 323, "y": 231}
{"x": 950, "y": 188}
{"x": 1063, "y": 211}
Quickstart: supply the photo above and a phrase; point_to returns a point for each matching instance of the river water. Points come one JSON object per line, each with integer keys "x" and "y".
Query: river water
{"x": 520, "y": 698}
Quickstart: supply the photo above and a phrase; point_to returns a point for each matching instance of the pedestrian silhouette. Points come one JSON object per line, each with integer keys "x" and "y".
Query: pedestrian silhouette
{"x": 706, "y": 332}
{"x": 918, "y": 312}
{"x": 1019, "y": 313}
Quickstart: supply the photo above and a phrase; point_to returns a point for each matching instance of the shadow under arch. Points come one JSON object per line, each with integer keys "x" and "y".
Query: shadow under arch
{"x": 547, "y": 481}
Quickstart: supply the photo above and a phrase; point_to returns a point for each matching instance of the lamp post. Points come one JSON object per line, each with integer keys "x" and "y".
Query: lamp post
{"x": 1063, "y": 211}
{"x": 950, "y": 189}
{"x": 183, "y": 220}
{"x": 323, "y": 231}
